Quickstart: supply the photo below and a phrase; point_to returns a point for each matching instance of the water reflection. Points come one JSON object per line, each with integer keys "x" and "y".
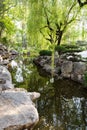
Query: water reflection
{"x": 18, "y": 76}
{"x": 63, "y": 114}
{"x": 62, "y": 105}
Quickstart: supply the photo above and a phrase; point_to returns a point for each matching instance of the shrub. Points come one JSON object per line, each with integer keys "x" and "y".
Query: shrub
{"x": 68, "y": 48}
{"x": 60, "y": 49}
{"x": 45, "y": 53}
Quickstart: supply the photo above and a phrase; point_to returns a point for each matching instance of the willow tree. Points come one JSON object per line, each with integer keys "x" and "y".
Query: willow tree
{"x": 35, "y": 21}
{"x": 58, "y": 15}
{"x": 6, "y": 24}
{"x": 50, "y": 18}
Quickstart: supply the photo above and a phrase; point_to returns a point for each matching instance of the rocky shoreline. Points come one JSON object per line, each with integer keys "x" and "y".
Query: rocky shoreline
{"x": 63, "y": 68}
{"x": 17, "y": 109}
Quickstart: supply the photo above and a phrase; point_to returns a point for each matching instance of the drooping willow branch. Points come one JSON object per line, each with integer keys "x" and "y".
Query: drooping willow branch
{"x": 8, "y": 8}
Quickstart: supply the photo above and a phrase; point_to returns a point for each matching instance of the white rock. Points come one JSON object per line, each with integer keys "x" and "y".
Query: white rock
{"x": 13, "y": 64}
{"x": 17, "y": 111}
{"x": 83, "y": 54}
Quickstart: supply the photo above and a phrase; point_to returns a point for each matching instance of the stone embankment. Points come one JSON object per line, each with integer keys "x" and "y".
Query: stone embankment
{"x": 17, "y": 109}
{"x": 6, "y": 55}
{"x": 62, "y": 68}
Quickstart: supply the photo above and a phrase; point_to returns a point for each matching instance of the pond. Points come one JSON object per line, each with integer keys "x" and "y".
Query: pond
{"x": 62, "y": 105}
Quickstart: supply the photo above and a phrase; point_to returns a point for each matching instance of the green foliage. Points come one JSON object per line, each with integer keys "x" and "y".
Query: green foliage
{"x": 73, "y": 50}
{"x": 58, "y": 16}
{"x": 64, "y": 48}
{"x": 4, "y": 40}
{"x": 9, "y": 25}
{"x": 40, "y": 21}
{"x": 2, "y": 25}
{"x": 45, "y": 53}
{"x": 34, "y": 22}
{"x": 60, "y": 49}
{"x": 72, "y": 46}
{"x": 49, "y": 17}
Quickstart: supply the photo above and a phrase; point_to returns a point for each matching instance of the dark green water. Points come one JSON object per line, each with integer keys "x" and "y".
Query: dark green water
{"x": 62, "y": 105}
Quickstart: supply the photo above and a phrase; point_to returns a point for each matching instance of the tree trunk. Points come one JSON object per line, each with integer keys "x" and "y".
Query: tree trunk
{"x": 59, "y": 37}
{"x": 1, "y": 34}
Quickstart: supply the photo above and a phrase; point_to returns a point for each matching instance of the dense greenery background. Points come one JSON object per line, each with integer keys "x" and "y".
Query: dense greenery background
{"x": 40, "y": 24}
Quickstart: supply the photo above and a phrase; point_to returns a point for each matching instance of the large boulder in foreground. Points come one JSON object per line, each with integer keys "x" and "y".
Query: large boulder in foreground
{"x": 17, "y": 111}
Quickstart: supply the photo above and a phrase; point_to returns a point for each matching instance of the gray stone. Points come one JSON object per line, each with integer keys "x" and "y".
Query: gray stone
{"x": 64, "y": 68}
{"x": 66, "y": 75}
{"x": 79, "y": 68}
{"x": 5, "y": 79}
{"x": 42, "y": 62}
{"x": 5, "y": 74}
{"x": 47, "y": 68}
{"x": 57, "y": 70}
{"x": 67, "y": 67}
{"x": 78, "y": 78}
{"x": 13, "y": 52}
{"x": 17, "y": 111}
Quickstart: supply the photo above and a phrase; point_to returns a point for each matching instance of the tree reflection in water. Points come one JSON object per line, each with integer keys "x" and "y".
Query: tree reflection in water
{"x": 62, "y": 108}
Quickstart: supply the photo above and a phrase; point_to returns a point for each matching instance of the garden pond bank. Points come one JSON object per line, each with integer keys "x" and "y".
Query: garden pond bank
{"x": 62, "y": 105}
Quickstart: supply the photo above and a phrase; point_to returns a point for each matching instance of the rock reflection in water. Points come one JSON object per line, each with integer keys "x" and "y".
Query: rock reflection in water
{"x": 19, "y": 76}
{"x": 63, "y": 106}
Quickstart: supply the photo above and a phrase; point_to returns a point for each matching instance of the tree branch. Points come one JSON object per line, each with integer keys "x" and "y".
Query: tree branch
{"x": 72, "y": 6}
{"x": 47, "y": 18}
{"x": 7, "y": 9}
{"x": 81, "y": 4}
